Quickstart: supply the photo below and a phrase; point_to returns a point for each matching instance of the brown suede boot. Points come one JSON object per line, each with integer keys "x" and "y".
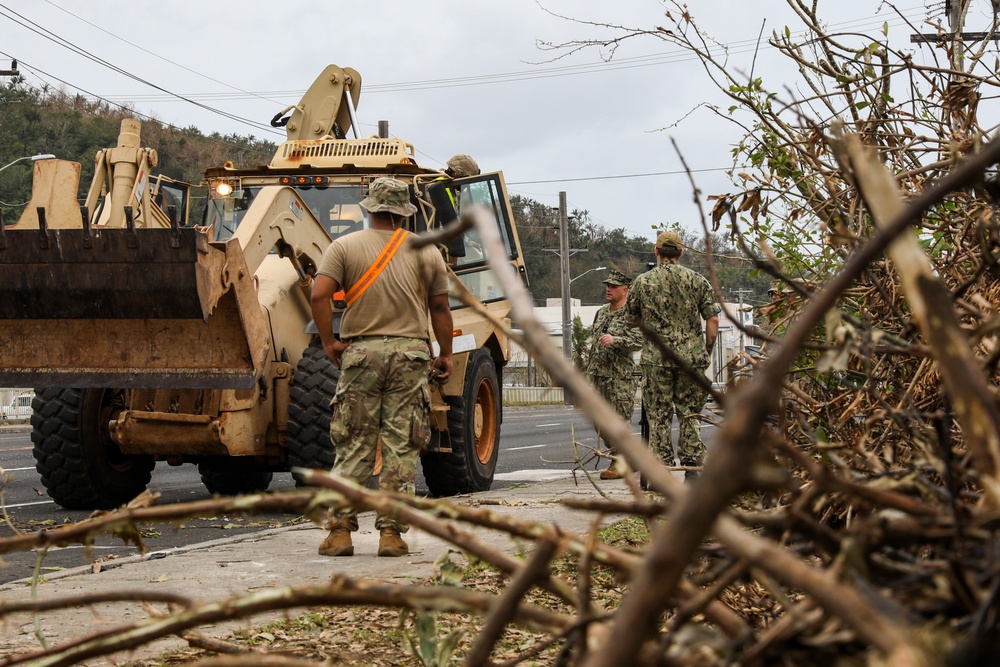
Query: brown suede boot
{"x": 612, "y": 472}
{"x": 337, "y": 543}
{"x": 391, "y": 544}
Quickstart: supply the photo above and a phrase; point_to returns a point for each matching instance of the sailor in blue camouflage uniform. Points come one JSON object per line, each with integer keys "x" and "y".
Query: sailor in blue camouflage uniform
{"x": 673, "y": 300}
{"x": 610, "y": 366}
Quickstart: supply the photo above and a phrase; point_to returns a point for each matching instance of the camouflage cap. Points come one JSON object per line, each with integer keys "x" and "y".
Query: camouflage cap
{"x": 616, "y": 277}
{"x": 389, "y": 195}
{"x": 777, "y": 287}
{"x": 462, "y": 165}
{"x": 669, "y": 240}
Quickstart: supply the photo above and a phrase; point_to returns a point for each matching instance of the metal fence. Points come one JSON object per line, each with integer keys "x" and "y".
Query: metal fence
{"x": 7, "y": 398}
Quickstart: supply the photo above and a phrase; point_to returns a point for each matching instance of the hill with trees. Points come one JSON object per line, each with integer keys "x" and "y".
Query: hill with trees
{"x": 73, "y": 127}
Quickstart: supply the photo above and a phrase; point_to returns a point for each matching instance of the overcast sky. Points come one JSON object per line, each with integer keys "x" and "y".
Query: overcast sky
{"x": 450, "y": 76}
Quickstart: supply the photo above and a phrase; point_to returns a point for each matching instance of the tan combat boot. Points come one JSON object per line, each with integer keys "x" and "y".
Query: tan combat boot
{"x": 611, "y": 472}
{"x": 338, "y": 542}
{"x": 391, "y": 544}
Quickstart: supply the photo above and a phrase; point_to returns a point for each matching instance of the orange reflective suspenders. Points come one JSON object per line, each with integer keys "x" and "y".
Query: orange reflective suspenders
{"x": 394, "y": 244}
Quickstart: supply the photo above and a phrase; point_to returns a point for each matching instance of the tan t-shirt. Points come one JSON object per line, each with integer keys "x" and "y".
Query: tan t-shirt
{"x": 396, "y": 303}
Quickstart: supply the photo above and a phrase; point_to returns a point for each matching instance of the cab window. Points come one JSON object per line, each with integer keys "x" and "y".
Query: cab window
{"x": 485, "y": 190}
{"x": 336, "y": 207}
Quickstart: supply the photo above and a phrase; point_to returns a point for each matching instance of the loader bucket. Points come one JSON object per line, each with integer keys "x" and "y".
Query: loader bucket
{"x": 126, "y": 307}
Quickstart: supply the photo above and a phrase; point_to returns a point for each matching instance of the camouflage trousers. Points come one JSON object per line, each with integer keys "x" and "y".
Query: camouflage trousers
{"x": 382, "y": 392}
{"x": 664, "y": 392}
{"x": 620, "y": 393}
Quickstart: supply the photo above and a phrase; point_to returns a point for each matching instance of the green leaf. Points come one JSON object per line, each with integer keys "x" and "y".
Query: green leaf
{"x": 861, "y": 105}
{"x": 426, "y": 627}
{"x": 788, "y": 32}
{"x": 448, "y": 646}
{"x": 447, "y": 572}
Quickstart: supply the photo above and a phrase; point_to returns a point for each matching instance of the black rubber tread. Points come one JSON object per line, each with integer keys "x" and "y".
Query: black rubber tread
{"x": 234, "y": 482}
{"x": 461, "y": 471}
{"x": 313, "y": 387}
{"x": 81, "y": 468}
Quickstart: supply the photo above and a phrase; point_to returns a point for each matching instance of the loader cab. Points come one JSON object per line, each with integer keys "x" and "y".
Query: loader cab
{"x": 337, "y": 207}
{"x": 168, "y": 193}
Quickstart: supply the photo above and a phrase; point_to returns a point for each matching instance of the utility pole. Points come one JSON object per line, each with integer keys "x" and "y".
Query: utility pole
{"x": 564, "y": 270}
{"x": 956, "y": 11}
{"x": 564, "y": 253}
{"x": 12, "y": 71}
{"x": 739, "y": 310}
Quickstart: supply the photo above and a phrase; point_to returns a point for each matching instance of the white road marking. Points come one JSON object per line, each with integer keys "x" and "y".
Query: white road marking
{"x": 546, "y": 425}
{"x": 17, "y": 469}
{"x": 85, "y": 546}
{"x": 516, "y": 449}
{"x": 532, "y": 475}
{"x": 37, "y": 502}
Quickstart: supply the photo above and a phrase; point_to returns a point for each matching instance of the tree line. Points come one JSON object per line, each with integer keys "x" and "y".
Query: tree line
{"x": 72, "y": 127}
{"x": 538, "y": 228}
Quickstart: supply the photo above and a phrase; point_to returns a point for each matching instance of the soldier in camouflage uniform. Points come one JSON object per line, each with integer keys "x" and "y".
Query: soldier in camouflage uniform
{"x": 610, "y": 366}
{"x": 384, "y": 356}
{"x": 673, "y": 300}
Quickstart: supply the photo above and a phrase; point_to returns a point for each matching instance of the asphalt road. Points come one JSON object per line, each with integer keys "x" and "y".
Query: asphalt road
{"x": 534, "y": 444}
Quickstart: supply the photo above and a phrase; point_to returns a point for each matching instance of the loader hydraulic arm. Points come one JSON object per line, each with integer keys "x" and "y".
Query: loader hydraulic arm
{"x": 278, "y": 218}
{"x": 327, "y": 108}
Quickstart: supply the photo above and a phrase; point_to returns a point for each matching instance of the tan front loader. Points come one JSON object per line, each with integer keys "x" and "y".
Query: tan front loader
{"x": 149, "y": 339}
{"x": 146, "y": 339}
{"x": 122, "y": 297}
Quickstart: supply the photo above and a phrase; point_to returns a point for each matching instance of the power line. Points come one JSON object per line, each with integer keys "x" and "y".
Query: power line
{"x": 159, "y": 57}
{"x": 113, "y": 104}
{"x": 608, "y": 178}
{"x": 667, "y": 58}
{"x": 56, "y": 39}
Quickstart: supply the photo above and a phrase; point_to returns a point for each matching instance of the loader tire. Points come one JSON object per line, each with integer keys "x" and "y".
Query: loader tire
{"x": 81, "y": 467}
{"x": 474, "y": 427}
{"x": 223, "y": 482}
{"x": 313, "y": 387}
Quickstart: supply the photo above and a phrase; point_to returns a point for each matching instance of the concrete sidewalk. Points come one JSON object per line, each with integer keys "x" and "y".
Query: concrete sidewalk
{"x": 214, "y": 571}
